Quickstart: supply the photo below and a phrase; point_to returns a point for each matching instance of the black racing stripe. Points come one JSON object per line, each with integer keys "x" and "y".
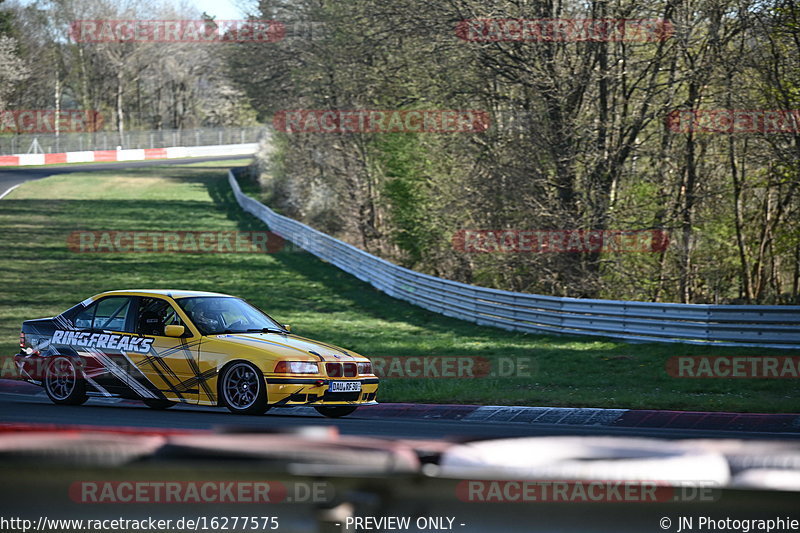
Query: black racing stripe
{"x": 157, "y": 358}
{"x": 312, "y": 352}
{"x": 180, "y": 347}
{"x": 158, "y": 362}
{"x": 176, "y": 386}
{"x": 124, "y": 385}
{"x": 286, "y": 400}
{"x": 201, "y": 378}
{"x": 125, "y": 364}
{"x": 160, "y": 366}
{"x": 335, "y": 348}
{"x": 149, "y": 385}
{"x": 141, "y": 379}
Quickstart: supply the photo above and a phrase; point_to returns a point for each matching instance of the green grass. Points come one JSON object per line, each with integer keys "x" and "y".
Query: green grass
{"x": 40, "y": 277}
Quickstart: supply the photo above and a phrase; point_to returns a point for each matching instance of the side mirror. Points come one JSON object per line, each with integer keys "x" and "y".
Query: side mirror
{"x": 174, "y": 330}
{"x": 287, "y": 327}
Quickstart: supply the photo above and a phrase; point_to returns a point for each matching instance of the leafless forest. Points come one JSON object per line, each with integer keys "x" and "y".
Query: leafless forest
{"x": 580, "y": 134}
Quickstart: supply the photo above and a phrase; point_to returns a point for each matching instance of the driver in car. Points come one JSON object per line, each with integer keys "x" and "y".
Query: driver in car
{"x": 208, "y": 315}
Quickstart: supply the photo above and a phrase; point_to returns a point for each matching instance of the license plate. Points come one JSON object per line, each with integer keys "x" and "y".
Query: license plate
{"x": 344, "y": 386}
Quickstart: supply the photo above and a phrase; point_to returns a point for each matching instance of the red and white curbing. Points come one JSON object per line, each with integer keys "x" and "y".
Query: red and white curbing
{"x": 93, "y": 156}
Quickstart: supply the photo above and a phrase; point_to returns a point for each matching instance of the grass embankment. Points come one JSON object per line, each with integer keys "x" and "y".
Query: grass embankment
{"x": 40, "y": 276}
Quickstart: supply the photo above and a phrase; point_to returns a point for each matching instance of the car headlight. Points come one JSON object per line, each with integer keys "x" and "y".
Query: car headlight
{"x": 365, "y": 368}
{"x": 296, "y": 367}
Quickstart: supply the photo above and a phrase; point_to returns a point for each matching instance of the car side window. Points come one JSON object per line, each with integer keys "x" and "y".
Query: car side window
{"x": 109, "y": 313}
{"x": 153, "y": 315}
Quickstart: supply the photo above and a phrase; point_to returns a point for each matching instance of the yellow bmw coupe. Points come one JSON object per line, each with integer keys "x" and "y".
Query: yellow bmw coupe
{"x": 167, "y": 347}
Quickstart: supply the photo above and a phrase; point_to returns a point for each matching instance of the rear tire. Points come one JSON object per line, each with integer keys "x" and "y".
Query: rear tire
{"x": 335, "y": 411}
{"x": 64, "y": 382}
{"x": 157, "y": 403}
{"x": 243, "y": 389}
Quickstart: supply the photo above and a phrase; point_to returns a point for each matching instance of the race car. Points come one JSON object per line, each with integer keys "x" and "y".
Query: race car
{"x": 171, "y": 346}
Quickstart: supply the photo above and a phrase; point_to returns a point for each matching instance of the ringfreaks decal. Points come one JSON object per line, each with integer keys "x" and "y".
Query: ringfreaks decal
{"x": 127, "y": 343}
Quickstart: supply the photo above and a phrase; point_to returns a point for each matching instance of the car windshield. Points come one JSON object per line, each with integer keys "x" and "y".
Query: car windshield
{"x": 221, "y": 314}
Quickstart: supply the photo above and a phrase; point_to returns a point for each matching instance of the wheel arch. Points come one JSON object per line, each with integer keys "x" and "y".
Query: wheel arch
{"x": 221, "y": 372}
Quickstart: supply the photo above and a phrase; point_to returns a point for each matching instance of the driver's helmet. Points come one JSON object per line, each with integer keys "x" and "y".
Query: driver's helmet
{"x": 207, "y": 314}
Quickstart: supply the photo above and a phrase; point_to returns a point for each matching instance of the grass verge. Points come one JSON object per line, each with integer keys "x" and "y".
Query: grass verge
{"x": 40, "y": 277}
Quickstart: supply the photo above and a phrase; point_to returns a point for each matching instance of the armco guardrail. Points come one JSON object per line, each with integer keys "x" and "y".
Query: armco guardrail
{"x": 728, "y": 325}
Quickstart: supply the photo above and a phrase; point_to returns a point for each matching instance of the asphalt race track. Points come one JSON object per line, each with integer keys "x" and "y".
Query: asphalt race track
{"x": 26, "y": 408}
{"x": 19, "y": 408}
{"x": 13, "y": 176}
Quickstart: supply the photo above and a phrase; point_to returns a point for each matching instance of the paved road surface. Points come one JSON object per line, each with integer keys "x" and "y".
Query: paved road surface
{"x": 10, "y": 178}
{"x": 23, "y": 408}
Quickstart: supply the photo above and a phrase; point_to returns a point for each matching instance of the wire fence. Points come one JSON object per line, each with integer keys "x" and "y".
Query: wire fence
{"x": 49, "y": 143}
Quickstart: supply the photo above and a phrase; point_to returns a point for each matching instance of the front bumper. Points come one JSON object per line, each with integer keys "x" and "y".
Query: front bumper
{"x": 314, "y": 391}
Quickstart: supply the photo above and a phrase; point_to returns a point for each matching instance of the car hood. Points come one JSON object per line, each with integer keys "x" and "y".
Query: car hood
{"x": 291, "y": 346}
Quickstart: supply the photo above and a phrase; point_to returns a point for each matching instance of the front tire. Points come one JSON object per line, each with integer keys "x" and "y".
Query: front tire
{"x": 243, "y": 389}
{"x": 335, "y": 411}
{"x": 64, "y": 383}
